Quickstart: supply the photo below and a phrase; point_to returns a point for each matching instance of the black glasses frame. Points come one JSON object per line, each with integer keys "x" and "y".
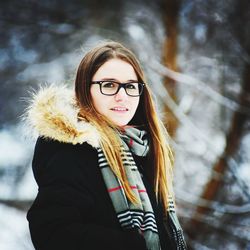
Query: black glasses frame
{"x": 121, "y": 85}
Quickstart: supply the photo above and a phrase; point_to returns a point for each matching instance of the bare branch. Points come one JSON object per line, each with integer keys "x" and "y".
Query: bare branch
{"x": 213, "y": 205}
{"x": 201, "y": 86}
{"x": 198, "y": 134}
{"x": 238, "y": 233}
{"x": 22, "y": 205}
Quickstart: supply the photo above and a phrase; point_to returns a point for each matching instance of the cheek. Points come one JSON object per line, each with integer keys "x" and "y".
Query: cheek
{"x": 135, "y": 104}
{"x": 95, "y": 98}
{"x": 100, "y": 102}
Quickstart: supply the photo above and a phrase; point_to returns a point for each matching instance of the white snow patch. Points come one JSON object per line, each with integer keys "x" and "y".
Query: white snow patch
{"x": 13, "y": 150}
{"x": 14, "y": 230}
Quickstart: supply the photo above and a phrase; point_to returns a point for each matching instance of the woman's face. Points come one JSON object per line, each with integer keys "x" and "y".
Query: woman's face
{"x": 119, "y": 108}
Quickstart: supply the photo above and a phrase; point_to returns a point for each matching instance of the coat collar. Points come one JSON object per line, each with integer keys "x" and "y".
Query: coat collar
{"x": 52, "y": 113}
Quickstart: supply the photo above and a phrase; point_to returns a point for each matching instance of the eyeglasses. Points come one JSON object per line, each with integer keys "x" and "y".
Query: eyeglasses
{"x": 111, "y": 87}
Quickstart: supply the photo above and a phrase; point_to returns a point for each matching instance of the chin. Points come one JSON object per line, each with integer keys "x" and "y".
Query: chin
{"x": 121, "y": 120}
{"x": 121, "y": 123}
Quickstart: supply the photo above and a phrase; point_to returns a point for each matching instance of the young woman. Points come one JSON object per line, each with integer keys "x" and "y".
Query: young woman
{"x": 102, "y": 161}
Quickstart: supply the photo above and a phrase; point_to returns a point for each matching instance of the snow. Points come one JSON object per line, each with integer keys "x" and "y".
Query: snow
{"x": 14, "y": 232}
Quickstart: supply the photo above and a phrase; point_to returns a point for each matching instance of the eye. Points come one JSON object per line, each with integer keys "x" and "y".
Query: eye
{"x": 131, "y": 86}
{"x": 108, "y": 84}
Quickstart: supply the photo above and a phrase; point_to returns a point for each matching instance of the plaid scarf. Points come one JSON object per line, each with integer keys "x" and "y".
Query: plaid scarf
{"x": 132, "y": 216}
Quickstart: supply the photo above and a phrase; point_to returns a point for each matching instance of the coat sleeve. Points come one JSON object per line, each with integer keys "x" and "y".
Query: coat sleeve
{"x": 60, "y": 217}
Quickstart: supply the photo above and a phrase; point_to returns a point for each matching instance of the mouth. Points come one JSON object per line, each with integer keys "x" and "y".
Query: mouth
{"x": 119, "y": 109}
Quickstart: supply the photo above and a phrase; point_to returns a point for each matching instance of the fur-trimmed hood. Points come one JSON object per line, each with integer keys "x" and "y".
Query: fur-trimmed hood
{"x": 53, "y": 112}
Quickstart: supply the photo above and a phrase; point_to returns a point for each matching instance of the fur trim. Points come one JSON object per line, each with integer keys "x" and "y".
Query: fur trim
{"x": 52, "y": 113}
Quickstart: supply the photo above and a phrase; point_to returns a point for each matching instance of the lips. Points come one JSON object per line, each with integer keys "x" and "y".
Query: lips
{"x": 121, "y": 109}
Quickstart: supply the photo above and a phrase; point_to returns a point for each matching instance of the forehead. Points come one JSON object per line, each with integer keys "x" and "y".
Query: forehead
{"x": 116, "y": 69}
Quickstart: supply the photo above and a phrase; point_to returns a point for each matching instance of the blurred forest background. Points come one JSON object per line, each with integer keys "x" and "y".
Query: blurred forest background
{"x": 196, "y": 54}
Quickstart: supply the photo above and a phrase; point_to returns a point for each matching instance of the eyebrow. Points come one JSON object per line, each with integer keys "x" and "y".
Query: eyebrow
{"x": 113, "y": 79}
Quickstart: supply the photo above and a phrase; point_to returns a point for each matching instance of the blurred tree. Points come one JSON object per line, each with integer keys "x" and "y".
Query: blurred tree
{"x": 239, "y": 120}
{"x": 170, "y": 13}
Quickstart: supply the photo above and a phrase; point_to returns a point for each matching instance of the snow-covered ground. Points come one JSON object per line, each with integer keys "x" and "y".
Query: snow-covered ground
{"x": 14, "y": 232}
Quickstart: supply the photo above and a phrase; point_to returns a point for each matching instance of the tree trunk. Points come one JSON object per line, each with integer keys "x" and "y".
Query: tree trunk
{"x": 232, "y": 144}
{"x": 170, "y": 47}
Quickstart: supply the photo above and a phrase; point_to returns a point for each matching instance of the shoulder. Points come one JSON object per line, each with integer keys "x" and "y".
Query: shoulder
{"x": 45, "y": 148}
{"x": 61, "y": 159}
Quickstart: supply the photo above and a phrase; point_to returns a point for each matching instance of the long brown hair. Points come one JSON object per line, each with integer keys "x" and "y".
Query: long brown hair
{"x": 146, "y": 117}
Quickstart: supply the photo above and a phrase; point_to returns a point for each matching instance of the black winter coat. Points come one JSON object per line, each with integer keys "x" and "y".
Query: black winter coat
{"x": 73, "y": 209}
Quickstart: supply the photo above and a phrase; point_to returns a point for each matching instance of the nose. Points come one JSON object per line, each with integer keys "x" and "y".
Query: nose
{"x": 121, "y": 95}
